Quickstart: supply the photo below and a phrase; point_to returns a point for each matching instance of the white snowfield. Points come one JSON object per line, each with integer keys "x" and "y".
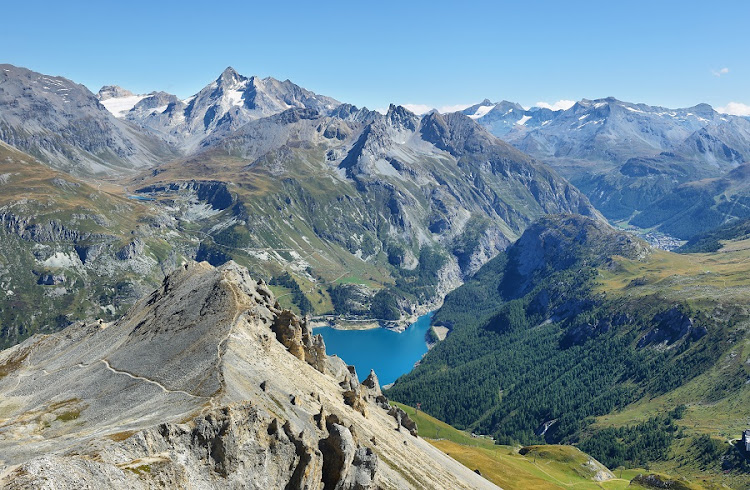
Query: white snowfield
{"x": 482, "y": 111}
{"x": 120, "y": 106}
{"x": 523, "y": 120}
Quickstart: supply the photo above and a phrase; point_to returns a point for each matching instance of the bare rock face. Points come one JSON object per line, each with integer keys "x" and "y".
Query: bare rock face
{"x": 403, "y": 419}
{"x": 346, "y": 464}
{"x": 670, "y": 327}
{"x": 205, "y": 383}
{"x": 297, "y": 336}
{"x": 131, "y": 250}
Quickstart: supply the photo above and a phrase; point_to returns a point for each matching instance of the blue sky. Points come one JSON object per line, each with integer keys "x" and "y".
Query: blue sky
{"x": 434, "y": 53}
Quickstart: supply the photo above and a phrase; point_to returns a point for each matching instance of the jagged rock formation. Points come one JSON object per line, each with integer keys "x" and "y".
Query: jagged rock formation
{"x": 224, "y": 105}
{"x": 204, "y": 383}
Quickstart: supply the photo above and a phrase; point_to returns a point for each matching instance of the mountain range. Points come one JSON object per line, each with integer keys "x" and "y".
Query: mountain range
{"x": 625, "y": 157}
{"x": 280, "y": 180}
{"x": 163, "y": 261}
{"x": 62, "y": 123}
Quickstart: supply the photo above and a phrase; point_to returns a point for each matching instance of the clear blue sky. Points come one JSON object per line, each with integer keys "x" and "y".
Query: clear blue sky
{"x": 437, "y": 53}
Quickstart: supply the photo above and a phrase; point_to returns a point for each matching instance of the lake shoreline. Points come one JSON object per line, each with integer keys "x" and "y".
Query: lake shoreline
{"x": 367, "y": 344}
{"x": 346, "y": 324}
{"x": 400, "y": 325}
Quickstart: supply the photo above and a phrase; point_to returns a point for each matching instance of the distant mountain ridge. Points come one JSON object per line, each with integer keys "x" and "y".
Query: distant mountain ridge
{"x": 504, "y": 117}
{"x": 63, "y": 124}
{"x": 224, "y": 105}
{"x": 623, "y": 156}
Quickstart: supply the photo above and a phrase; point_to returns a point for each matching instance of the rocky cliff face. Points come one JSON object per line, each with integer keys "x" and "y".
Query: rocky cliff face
{"x": 63, "y": 124}
{"x": 224, "y": 105}
{"x": 204, "y": 383}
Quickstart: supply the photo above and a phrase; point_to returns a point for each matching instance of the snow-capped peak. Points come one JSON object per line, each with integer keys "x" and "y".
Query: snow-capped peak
{"x": 117, "y": 100}
{"x": 482, "y": 110}
{"x": 230, "y": 77}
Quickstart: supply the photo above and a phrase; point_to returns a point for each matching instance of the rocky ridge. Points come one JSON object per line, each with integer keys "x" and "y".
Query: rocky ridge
{"x": 224, "y": 105}
{"x": 204, "y": 382}
{"x": 625, "y": 157}
{"x": 64, "y": 125}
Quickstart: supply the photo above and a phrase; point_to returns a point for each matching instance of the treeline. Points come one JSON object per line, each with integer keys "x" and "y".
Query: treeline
{"x": 632, "y": 446}
{"x": 710, "y": 240}
{"x": 558, "y": 354}
{"x": 298, "y": 297}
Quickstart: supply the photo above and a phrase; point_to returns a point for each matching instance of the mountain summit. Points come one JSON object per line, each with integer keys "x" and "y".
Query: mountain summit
{"x": 224, "y": 105}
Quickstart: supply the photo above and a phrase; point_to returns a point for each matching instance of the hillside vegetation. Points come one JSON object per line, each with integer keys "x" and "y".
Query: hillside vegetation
{"x": 582, "y": 335}
{"x": 71, "y": 249}
{"x": 529, "y": 467}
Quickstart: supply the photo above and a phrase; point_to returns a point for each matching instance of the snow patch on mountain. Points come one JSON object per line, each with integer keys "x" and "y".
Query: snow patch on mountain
{"x": 482, "y": 111}
{"x": 120, "y": 106}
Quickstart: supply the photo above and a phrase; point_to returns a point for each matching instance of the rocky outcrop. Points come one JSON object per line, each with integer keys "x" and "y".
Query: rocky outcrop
{"x": 207, "y": 384}
{"x": 131, "y": 250}
{"x": 113, "y": 91}
{"x": 403, "y": 420}
{"x": 346, "y": 464}
{"x": 297, "y": 336}
{"x": 28, "y": 228}
{"x": 672, "y": 326}
{"x": 209, "y": 191}
{"x": 51, "y": 279}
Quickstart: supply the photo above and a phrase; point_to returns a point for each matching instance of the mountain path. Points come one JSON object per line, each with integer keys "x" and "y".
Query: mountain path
{"x": 133, "y": 376}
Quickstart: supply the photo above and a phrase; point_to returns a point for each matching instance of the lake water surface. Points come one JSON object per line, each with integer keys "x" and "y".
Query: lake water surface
{"x": 389, "y": 353}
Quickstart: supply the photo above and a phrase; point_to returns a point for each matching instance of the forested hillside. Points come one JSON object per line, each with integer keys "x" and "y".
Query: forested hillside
{"x": 538, "y": 350}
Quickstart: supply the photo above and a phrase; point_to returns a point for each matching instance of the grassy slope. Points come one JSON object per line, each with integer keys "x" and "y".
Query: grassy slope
{"x": 34, "y": 192}
{"x": 703, "y": 279}
{"x": 717, "y": 399}
{"x": 50, "y": 194}
{"x": 541, "y": 468}
{"x": 262, "y": 193}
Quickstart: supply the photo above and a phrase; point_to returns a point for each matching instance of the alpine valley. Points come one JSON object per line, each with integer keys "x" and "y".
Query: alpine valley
{"x": 163, "y": 262}
{"x": 328, "y": 202}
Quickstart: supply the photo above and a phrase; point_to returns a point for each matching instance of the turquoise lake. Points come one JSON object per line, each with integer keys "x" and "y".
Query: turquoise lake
{"x": 389, "y": 353}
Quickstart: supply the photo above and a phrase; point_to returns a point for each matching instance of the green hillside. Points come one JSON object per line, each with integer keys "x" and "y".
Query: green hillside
{"x": 60, "y": 238}
{"x": 529, "y": 467}
{"x": 582, "y": 335}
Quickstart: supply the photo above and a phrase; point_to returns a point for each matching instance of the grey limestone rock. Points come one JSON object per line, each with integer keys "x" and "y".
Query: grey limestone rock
{"x": 193, "y": 388}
